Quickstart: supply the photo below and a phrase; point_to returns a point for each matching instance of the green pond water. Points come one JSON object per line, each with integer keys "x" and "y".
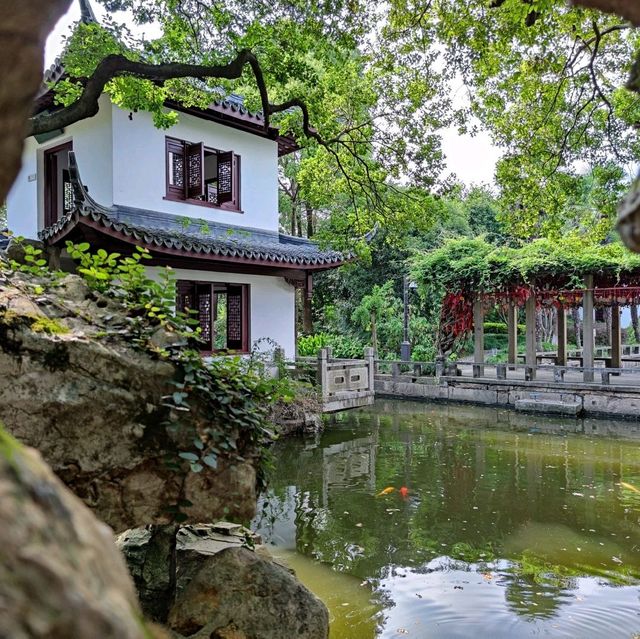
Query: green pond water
{"x": 512, "y": 525}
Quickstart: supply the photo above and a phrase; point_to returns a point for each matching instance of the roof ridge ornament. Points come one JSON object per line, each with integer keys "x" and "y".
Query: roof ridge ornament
{"x": 81, "y": 197}
{"x": 86, "y": 13}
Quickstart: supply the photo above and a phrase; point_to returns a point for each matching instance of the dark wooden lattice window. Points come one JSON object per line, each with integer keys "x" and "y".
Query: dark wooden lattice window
{"x": 175, "y": 169}
{"x": 205, "y": 317}
{"x": 235, "y": 323}
{"x": 195, "y": 170}
{"x": 204, "y": 298}
{"x": 225, "y": 177}
{"x": 196, "y": 297}
{"x": 203, "y": 175}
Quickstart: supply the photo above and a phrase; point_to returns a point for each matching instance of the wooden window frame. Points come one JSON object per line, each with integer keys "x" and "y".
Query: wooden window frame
{"x": 51, "y": 185}
{"x": 245, "y": 290}
{"x": 178, "y": 194}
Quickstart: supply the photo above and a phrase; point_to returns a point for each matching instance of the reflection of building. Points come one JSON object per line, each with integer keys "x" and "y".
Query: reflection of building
{"x": 349, "y": 463}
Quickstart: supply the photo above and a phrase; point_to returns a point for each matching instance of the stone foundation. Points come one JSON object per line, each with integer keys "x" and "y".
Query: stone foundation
{"x": 593, "y": 400}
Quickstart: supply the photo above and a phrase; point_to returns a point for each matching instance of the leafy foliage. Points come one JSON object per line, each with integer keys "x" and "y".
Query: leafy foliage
{"x": 376, "y": 81}
{"x": 344, "y": 346}
{"x": 466, "y": 265}
{"x": 377, "y": 307}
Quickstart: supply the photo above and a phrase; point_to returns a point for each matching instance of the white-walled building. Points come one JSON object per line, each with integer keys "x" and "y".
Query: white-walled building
{"x": 201, "y": 196}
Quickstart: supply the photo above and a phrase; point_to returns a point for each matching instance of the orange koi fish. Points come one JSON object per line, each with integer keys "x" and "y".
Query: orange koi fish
{"x": 388, "y": 490}
{"x": 404, "y": 492}
{"x": 629, "y": 487}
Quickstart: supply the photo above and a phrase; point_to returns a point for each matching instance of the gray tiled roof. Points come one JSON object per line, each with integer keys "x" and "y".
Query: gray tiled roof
{"x": 199, "y": 238}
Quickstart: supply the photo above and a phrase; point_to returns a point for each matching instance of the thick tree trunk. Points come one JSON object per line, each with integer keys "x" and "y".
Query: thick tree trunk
{"x": 309, "y": 213}
{"x": 545, "y": 323}
{"x": 298, "y": 214}
{"x": 25, "y": 27}
{"x": 629, "y": 9}
{"x": 634, "y": 322}
{"x": 293, "y": 220}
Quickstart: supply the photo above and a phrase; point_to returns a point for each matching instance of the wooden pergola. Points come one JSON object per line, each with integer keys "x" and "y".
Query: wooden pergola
{"x": 597, "y": 291}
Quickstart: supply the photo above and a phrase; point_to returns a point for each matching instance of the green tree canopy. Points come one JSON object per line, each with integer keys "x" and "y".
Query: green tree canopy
{"x": 366, "y": 88}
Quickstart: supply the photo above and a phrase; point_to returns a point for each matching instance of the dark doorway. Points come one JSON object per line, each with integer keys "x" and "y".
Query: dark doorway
{"x": 58, "y": 192}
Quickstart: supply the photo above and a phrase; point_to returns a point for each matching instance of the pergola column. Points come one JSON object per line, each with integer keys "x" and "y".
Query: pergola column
{"x": 512, "y": 333}
{"x": 478, "y": 337}
{"x": 616, "y": 337}
{"x": 530, "y": 321}
{"x": 561, "y": 360}
{"x": 588, "y": 344}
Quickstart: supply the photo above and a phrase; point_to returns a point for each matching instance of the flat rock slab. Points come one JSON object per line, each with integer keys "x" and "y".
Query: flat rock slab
{"x": 218, "y": 588}
{"x": 238, "y": 594}
{"x": 548, "y": 406}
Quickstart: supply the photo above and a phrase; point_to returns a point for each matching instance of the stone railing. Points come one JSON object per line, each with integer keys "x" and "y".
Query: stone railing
{"x": 345, "y": 383}
{"x": 629, "y": 376}
{"x": 342, "y": 383}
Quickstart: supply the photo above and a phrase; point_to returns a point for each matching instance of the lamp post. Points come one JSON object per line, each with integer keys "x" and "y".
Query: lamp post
{"x": 405, "y": 346}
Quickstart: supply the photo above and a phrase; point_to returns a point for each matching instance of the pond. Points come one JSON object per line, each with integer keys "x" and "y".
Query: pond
{"x": 498, "y": 525}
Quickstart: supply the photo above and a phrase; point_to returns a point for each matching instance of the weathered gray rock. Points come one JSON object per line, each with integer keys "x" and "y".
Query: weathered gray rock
{"x": 163, "y": 559}
{"x": 61, "y": 575}
{"x": 220, "y": 588}
{"x": 150, "y": 556}
{"x": 16, "y": 250}
{"x": 302, "y": 416}
{"x": 73, "y": 386}
{"x": 236, "y": 594}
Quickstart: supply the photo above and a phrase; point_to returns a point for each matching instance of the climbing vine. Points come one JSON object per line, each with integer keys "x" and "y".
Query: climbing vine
{"x": 463, "y": 270}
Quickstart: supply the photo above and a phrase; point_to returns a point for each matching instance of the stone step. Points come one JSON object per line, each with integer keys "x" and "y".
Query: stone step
{"x": 532, "y": 405}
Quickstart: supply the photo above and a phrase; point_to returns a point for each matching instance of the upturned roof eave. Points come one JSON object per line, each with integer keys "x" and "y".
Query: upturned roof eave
{"x": 89, "y": 214}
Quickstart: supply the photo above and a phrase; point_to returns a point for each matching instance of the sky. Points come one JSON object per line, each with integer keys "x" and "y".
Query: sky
{"x": 471, "y": 158}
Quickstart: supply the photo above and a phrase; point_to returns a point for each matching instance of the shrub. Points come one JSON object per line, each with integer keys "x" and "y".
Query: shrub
{"x": 500, "y": 328}
{"x": 423, "y": 353}
{"x": 344, "y": 346}
{"x": 309, "y": 345}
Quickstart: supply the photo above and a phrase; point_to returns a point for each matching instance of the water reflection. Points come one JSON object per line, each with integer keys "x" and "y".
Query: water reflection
{"x": 514, "y": 522}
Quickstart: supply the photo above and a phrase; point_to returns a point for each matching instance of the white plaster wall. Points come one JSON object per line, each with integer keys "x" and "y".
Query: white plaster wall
{"x": 271, "y": 304}
{"x": 22, "y": 201}
{"x": 140, "y": 168}
{"x": 92, "y": 143}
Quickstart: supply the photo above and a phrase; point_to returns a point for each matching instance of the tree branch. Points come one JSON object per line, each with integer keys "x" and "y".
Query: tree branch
{"x": 628, "y": 9}
{"x": 113, "y": 66}
{"x": 24, "y": 30}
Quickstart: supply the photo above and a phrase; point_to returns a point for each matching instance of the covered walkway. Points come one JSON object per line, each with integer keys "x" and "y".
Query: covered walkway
{"x": 588, "y": 359}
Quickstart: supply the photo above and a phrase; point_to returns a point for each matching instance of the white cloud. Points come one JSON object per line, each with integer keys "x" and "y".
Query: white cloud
{"x": 472, "y": 158}
{"x": 62, "y": 28}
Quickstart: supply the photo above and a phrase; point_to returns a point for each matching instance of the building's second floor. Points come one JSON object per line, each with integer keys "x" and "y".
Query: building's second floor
{"x": 219, "y": 165}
